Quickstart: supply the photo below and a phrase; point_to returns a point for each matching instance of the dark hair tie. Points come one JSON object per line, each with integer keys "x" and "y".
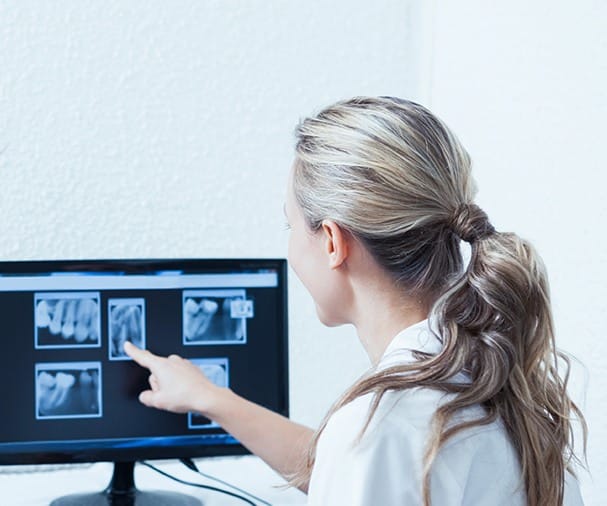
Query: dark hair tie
{"x": 470, "y": 223}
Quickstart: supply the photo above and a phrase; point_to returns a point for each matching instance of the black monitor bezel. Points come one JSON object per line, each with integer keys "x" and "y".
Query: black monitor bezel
{"x": 142, "y": 266}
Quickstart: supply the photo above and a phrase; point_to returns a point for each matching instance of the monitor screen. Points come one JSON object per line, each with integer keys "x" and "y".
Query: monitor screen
{"x": 70, "y": 394}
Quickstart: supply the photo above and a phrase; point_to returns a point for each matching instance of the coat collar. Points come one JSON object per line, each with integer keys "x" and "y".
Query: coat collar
{"x": 417, "y": 337}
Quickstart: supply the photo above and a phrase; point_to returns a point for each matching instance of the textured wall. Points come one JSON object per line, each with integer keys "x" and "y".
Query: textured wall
{"x": 523, "y": 84}
{"x": 164, "y": 129}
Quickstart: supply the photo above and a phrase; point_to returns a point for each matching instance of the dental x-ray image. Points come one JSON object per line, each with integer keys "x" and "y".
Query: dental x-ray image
{"x": 126, "y": 323}
{"x": 217, "y": 371}
{"x": 67, "y": 320}
{"x": 68, "y": 390}
{"x": 215, "y": 316}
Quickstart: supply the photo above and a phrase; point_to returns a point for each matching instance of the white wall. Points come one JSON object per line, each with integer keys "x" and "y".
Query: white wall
{"x": 523, "y": 84}
{"x": 154, "y": 128}
{"x": 165, "y": 129}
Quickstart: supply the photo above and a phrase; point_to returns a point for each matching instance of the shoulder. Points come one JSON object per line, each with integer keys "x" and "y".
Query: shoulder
{"x": 354, "y": 470}
{"x": 388, "y": 458}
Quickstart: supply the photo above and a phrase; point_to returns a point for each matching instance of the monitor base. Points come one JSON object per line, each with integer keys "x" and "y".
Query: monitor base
{"x": 122, "y": 492}
{"x": 138, "y": 498}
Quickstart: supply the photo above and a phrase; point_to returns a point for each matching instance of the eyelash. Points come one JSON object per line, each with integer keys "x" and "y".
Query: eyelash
{"x": 287, "y": 226}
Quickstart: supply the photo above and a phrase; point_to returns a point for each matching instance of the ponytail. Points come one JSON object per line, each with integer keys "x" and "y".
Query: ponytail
{"x": 499, "y": 314}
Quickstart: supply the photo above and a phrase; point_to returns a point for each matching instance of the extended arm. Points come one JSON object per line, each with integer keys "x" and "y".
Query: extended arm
{"x": 179, "y": 386}
{"x": 281, "y": 443}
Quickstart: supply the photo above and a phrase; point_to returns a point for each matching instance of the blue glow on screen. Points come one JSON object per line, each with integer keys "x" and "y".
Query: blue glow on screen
{"x": 157, "y": 442}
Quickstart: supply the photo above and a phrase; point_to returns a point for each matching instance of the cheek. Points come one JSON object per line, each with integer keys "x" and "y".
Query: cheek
{"x": 300, "y": 251}
{"x": 311, "y": 269}
{"x": 301, "y": 259}
{"x": 292, "y": 253}
{"x": 296, "y": 256}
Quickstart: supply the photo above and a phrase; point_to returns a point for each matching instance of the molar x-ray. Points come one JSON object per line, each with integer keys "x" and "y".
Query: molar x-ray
{"x": 67, "y": 320}
{"x": 68, "y": 390}
{"x": 215, "y": 316}
{"x": 217, "y": 371}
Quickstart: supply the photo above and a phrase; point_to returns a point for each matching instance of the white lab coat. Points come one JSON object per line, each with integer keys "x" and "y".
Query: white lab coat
{"x": 478, "y": 467}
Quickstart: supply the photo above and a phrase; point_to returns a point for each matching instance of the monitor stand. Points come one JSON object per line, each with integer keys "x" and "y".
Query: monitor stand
{"x": 122, "y": 492}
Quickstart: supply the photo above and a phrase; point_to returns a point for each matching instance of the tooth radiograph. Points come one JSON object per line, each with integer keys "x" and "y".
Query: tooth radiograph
{"x": 217, "y": 371}
{"x": 68, "y": 390}
{"x": 126, "y": 323}
{"x": 67, "y": 320}
{"x": 208, "y": 317}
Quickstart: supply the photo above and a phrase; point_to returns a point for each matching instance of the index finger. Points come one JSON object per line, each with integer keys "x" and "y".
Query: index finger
{"x": 144, "y": 358}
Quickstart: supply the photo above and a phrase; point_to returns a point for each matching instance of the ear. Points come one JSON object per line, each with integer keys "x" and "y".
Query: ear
{"x": 335, "y": 240}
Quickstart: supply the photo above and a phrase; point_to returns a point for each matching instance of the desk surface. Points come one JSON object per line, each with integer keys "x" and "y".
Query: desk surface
{"x": 247, "y": 472}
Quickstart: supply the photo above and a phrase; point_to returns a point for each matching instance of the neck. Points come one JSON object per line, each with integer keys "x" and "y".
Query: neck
{"x": 376, "y": 307}
{"x": 381, "y": 312}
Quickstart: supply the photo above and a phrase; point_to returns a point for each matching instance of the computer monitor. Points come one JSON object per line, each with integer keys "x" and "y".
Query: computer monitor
{"x": 70, "y": 394}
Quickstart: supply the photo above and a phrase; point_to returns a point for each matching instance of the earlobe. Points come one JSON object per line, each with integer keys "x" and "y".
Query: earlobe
{"x": 336, "y": 243}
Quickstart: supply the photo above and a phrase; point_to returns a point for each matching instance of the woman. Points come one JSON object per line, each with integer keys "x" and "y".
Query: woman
{"x": 463, "y": 404}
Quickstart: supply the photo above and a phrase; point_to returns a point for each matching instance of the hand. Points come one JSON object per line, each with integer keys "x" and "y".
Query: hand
{"x": 176, "y": 384}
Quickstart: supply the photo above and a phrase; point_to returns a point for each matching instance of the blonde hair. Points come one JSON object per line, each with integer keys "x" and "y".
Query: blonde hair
{"x": 394, "y": 176}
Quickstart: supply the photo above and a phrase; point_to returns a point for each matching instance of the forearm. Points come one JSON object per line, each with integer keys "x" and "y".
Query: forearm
{"x": 177, "y": 385}
{"x": 281, "y": 443}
